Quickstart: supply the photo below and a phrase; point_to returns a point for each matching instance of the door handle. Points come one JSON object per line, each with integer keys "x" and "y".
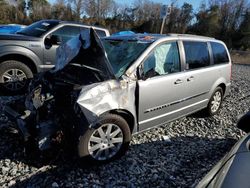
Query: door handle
{"x": 179, "y": 81}
{"x": 191, "y": 78}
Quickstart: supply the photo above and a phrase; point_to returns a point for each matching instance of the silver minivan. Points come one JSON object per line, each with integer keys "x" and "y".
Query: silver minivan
{"x": 189, "y": 73}
{"x": 121, "y": 85}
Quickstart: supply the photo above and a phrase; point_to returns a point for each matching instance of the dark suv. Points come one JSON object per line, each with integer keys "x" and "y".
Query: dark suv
{"x": 33, "y": 50}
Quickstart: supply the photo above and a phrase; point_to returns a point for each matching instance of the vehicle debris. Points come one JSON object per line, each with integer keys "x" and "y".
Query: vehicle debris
{"x": 3, "y": 118}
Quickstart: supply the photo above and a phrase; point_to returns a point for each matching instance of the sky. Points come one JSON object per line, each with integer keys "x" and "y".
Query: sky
{"x": 195, "y": 3}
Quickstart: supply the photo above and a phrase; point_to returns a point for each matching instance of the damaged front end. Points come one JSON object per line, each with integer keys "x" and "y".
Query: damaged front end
{"x": 63, "y": 102}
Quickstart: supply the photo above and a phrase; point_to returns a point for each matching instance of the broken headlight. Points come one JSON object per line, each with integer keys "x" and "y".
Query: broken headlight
{"x": 36, "y": 98}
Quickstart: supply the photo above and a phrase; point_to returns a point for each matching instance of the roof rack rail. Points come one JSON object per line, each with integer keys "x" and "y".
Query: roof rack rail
{"x": 188, "y": 35}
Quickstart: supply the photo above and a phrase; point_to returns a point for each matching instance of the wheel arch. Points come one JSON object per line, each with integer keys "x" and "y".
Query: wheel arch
{"x": 223, "y": 87}
{"x": 22, "y": 58}
{"x": 221, "y": 82}
{"x": 127, "y": 116}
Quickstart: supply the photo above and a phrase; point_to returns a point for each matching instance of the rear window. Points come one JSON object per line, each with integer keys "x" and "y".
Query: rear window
{"x": 197, "y": 54}
{"x": 219, "y": 53}
{"x": 100, "y": 33}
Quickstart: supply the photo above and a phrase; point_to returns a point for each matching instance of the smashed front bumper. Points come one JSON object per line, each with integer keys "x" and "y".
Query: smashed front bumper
{"x": 20, "y": 120}
{"x": 40, "y": 136}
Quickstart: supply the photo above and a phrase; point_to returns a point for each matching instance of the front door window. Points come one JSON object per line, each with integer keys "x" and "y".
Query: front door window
{"x": 164, "y": 59}
{"x": 66, "y": 33}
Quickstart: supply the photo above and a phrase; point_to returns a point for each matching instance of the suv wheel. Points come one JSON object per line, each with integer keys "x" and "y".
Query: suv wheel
{"x": 215, "y": 102}
{"x": 108, "y": 141}
{"x": 14, "y": 75}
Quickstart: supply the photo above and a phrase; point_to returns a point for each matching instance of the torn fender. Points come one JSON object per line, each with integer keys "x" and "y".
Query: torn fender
{"x": 98, "y": 98}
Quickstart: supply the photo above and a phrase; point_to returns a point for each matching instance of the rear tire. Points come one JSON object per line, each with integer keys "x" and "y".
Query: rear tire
{"x": 109, "y": 140}
{"x": 215, "y": 102}
{"x": 14, "y": 76}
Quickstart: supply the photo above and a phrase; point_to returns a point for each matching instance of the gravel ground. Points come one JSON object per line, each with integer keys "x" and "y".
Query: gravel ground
{"x": 177, "y": 154}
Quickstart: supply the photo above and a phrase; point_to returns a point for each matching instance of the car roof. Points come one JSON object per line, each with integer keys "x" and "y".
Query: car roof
{"x": 71, "y": 22}
{"x": 136, "y": 37}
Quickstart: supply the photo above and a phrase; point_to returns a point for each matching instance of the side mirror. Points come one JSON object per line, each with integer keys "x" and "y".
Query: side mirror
{"x": 47, "y": 43}
{"x": 55, "y": 40}
{"x": 139, "y": 73}
{"x": 52, "y": 40}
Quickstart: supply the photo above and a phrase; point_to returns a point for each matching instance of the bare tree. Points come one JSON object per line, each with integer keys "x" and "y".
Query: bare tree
{"x": 91, "y": 8}
{"x": 62, "y": 11}
{"x": 147, "y": 10}
{"x": 39, "y": 9}
{"x": 185, "y": 17}
{"x": 230, "y": 13}
{"x": 99, "y": 9}
{"x": 78, "y": 8}
{"x": 58, "y": 10}
{"x": 244, "y": 32}
{"x": 105, "y": 7}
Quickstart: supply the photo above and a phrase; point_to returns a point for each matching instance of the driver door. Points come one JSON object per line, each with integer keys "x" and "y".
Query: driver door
{"x": 64, "y": 34}
{"x": 162, "y": 86}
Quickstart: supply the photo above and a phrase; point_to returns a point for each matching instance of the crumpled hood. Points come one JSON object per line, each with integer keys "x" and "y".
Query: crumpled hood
{"x": 84, "y": 50}
{"x": 16, "y": 37}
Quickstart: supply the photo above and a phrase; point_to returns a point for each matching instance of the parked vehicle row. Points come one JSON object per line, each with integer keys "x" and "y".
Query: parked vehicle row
{"x": 33, "y": 50}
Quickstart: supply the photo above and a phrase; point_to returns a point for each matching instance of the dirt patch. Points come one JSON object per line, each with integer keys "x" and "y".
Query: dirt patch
{"x": 240, "y": 57}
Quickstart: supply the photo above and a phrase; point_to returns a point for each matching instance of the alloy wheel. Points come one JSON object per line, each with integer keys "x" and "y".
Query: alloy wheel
{"x": 215, "y": 103}
{"x": 105, "y": 142}
{"x": 14, "y": 79}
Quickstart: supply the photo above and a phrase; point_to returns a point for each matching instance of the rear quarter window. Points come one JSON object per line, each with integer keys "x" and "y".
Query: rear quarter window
{"x": 219, "y": 53}
{"x": 100, "y": 33}
{"x": 67, "y": 32}
{"x": 197, "y": 54}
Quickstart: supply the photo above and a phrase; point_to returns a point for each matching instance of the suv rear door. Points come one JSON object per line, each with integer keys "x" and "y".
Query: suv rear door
{"x": 221, "y": 60}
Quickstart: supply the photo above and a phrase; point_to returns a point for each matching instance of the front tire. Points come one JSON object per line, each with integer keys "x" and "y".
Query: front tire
{"x": 215, "y": 102}
{"x": 109, "y": 140}
{"x": 14, "y": 76}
